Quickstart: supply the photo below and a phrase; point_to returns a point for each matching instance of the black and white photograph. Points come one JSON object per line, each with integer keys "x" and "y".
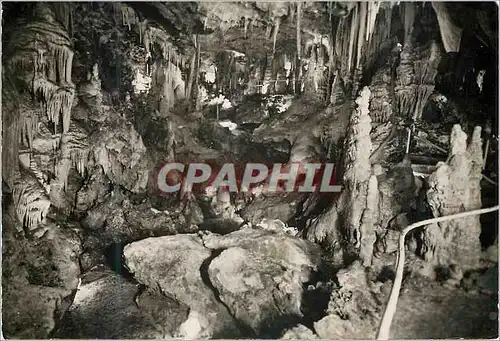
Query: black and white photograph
{"x": 250, "y": 170}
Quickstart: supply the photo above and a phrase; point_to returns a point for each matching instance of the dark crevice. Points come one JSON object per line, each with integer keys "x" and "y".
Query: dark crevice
{"x": 316, "y": 295}
{"x": 115, "y": 260}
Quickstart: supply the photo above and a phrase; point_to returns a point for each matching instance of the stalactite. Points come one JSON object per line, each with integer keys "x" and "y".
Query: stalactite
{"x": 57, "y": 101}
{"x": 191, "y": 77}
{"x": 369, "y": 11}
{"x": 69, "y": 67}
{"x": 297, "y": 64}
{"x": 143, "y": 25}
{"x": 47, "y": 44}
{"x": 373, "y": 9}
{"x": 62, "y": 166}
{"x": 291, "y": 12}
{"x": 129, "y": 17}
{"x": 354, "y": 26}
{"x": 451, "y": 34}
{"x": 79, "y": 159}
{"x": 197, "y": 75}
{"x": 299, "y": 19}
{"x": 363, "y": 15}
{"x": 101, "y": 157}
{"x": 338, "y": 37}
{"x": 63, "y": 12}
{"x": 388, "y": 20}
{"x": 275, "y": 33}
{"x": 55, "y": 144}
{"x": 409, "y": 9}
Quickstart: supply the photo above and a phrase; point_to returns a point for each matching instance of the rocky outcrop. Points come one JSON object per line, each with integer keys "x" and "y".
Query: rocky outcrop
{"x": 344, "y": 320}
{"x": 40, "y": 276}
{"x": 107, "y": 306}
{"x": 273, "y": 207}
{"x": 298, "y": 332}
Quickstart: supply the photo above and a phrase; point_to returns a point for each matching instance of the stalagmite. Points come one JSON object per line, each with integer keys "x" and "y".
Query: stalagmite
{"x": 367, "y": 228}
{"x": 455, "y": 187}
{"x": 350, "y": 218}
{"x": 390, "y": 309}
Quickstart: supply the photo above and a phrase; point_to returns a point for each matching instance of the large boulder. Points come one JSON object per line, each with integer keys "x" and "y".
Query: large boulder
{"x": 260, "y": 276}
{"x": 176, "y": 265}
{"x": 248, "y": 282}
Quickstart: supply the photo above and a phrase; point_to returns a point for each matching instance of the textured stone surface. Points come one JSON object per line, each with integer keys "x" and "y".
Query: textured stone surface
{"x": 353, "y": 312}
{"x": 107, "y": 306}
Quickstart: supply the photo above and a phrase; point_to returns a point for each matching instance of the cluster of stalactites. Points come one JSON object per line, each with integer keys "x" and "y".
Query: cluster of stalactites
{"x": 228, "y": 15}
{"x": 149, "y": 35}
{"x": 359, "y": 28}
{"x": 153, "y": 35}
{"x": 168, "y": 78}
{"x": 43, "y": 47}
{"x": 31, "y": 200}
{"x": 58, "y": 101}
